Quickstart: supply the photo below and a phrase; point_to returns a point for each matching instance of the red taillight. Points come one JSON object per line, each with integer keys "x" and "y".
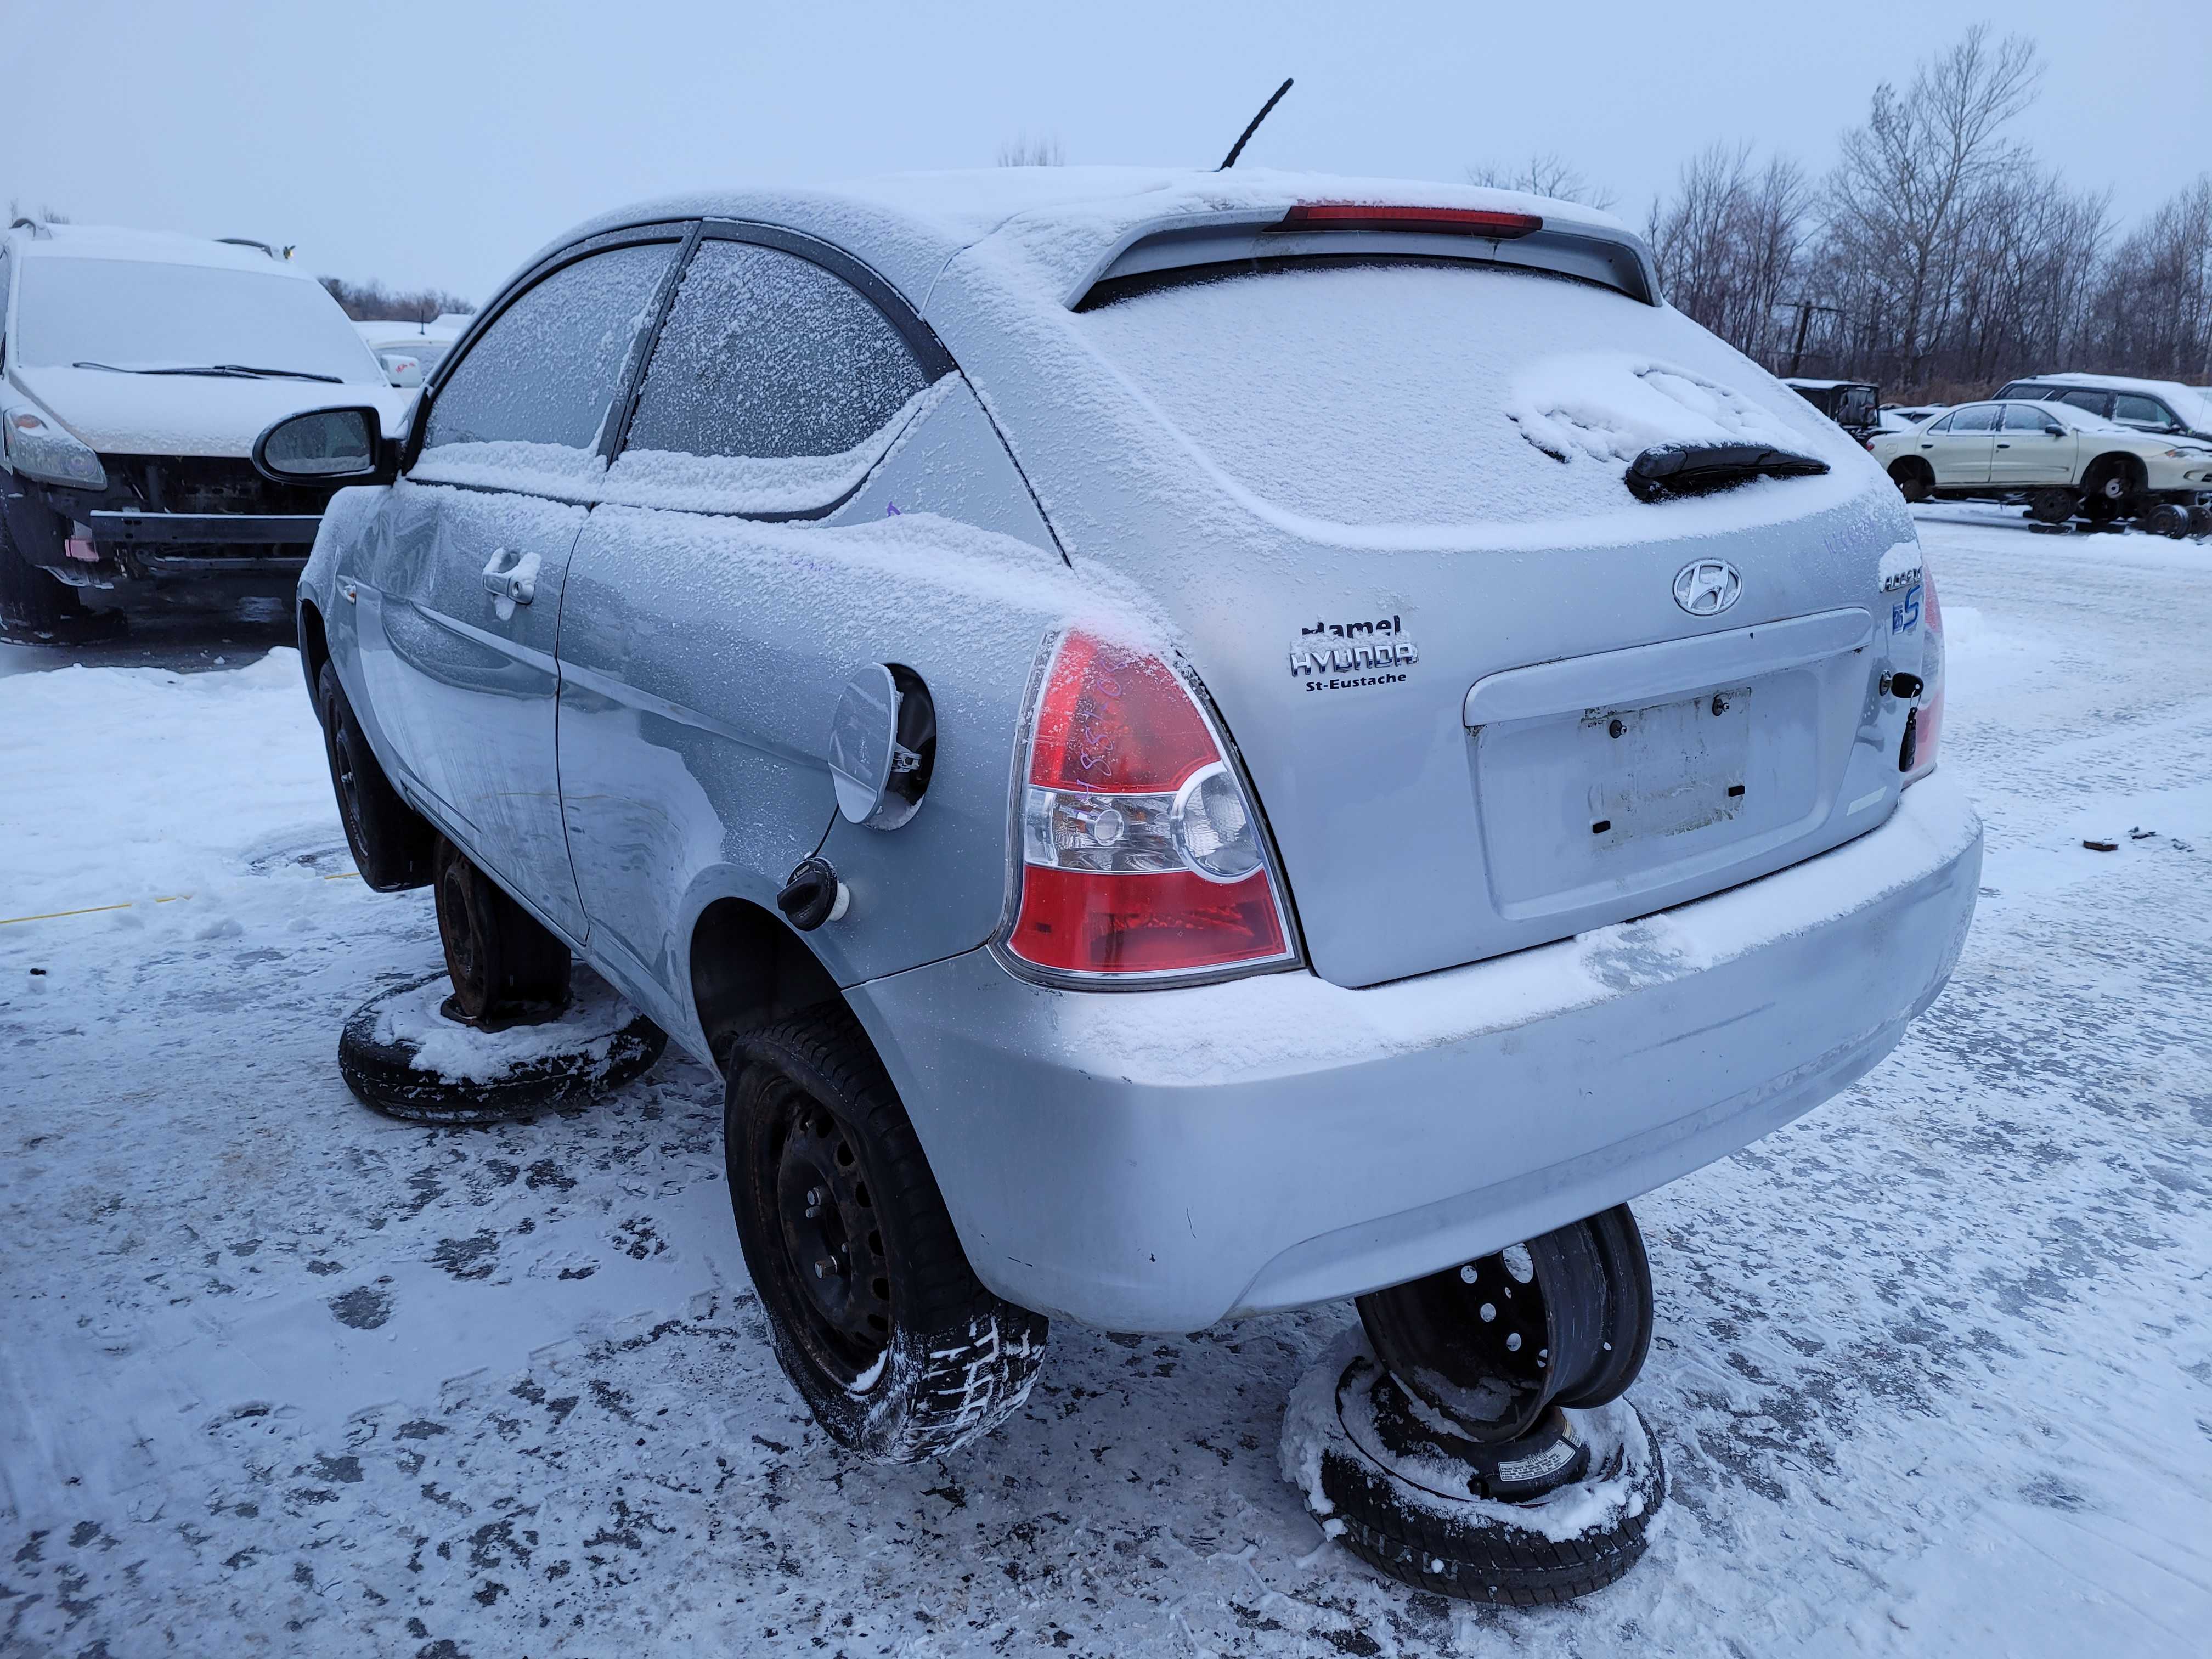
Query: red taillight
{"x": 1451, "y": 221}
{"x": 1112, "y": 721}
{"x": 1142, "y": 855}
{"x": 1928, "y": 716}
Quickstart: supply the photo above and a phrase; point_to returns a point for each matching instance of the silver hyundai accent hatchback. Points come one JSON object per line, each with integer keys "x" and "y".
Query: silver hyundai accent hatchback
{"x": 1191, "y": 743}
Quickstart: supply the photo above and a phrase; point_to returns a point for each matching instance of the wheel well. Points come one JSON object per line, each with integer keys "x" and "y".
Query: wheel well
{"x": 1911, "y": 463}
{"x": 748, "y": 968}
{"x": 314, "y": 645}
{"x": 2130, "y": 467}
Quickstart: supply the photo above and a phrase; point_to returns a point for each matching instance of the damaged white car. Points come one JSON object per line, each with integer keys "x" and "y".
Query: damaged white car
{"x": 1190, "y": 744}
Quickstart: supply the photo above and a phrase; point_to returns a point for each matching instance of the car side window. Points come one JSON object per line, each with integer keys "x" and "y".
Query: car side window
{"x": 548, "y": 368}
{"x": 777, "y": 369}
{"x": 1981, "y": 417}
{"x": 2096, "y": 402}
{"x": 2026, "y": 417}
{"x": 2139, "y": 410}
{"x": 1943, "y": 425}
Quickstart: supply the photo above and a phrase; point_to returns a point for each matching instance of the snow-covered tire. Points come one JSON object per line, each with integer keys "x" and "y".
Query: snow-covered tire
{"x": 1406, "y": 1522}
{"x": 896, "y": 1347}
{"x": 400, "y": 1057}
{"x": 390, "y": 842}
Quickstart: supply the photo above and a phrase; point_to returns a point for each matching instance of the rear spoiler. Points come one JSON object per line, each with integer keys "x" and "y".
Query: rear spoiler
{"x": 1613, "y": 258}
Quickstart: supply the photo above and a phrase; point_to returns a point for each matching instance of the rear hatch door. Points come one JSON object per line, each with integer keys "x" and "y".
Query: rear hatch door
{"x": 1488, "y": 697}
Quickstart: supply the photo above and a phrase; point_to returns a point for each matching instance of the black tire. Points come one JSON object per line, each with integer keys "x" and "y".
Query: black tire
{"x": 383, "y": 1075}
{"x": 1912, "y": 478}
{"x": 1475, "y": 1550}
{"x": 896, "y": 1346}
{"x": 392, "y": 844}
{"x": 505, "y": 965}
{"x": 31, "y": 602}
{"x": 2200, "y": 522}
{"x": 2053, "y": 505}
{"x": 1571, "y": 1323}
{"x": 2168, "y": 519}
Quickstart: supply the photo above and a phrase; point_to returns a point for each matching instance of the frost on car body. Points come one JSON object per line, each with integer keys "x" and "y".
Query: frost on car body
{"x": 1591, "y": 819}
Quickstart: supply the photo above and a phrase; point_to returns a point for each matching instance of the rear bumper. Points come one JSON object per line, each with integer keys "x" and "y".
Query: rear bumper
{"x": 1158, "y": 1161}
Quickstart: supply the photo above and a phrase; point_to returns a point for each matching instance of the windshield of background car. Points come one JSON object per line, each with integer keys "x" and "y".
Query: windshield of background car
{"x": 138, "y": 313}
{"x": 1436, "y": 392}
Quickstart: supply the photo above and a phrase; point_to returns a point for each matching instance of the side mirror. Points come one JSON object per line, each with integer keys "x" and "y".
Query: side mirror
{"x": 326, "y": 445}
{"x": 401, "y": 369}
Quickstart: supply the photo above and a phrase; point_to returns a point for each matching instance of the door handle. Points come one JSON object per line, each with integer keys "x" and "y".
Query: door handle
{"x": 511, "y": 579}
{"x": 2004, "y": 446}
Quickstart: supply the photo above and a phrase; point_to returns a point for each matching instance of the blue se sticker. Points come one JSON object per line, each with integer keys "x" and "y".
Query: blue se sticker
{"x": 1907, "y": 615}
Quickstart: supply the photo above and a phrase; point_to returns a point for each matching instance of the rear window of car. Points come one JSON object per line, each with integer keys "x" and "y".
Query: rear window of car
{"x": 767, "y": 355}
{"x": 1436, "y": 392}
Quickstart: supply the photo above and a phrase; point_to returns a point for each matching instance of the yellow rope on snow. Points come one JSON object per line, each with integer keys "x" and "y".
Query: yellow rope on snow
{"x": 173, "y": 898}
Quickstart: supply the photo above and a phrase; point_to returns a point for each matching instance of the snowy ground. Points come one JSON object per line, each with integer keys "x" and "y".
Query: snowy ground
{"x": 278, "y": 1375}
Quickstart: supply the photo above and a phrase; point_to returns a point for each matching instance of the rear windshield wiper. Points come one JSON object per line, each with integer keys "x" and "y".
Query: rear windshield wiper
{"x": 228, "y": 371}
{"x": 1666, "y": 470}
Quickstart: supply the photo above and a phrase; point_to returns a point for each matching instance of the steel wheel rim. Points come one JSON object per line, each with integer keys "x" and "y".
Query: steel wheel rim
{"x": 828, "y": 1237}
{"x": 458, "y": 932}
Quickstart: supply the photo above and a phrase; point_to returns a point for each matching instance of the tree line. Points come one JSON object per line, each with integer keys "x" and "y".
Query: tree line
{"x": 1938, "y": 257}
{"x": 372, "y": 302}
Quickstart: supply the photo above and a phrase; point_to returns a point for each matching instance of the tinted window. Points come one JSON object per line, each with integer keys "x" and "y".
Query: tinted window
{"x": 767, "y": 354}
{"x": 2026, "y": 417}
{"x": 2140, "y": 412}
{"x": 2096, "y": 401}
{"x": 547, "y": 370}
{"x": 1982, "y": 417}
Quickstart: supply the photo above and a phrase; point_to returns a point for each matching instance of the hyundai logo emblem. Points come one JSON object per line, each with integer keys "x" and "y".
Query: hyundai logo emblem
{"x": 1705, "y": 587}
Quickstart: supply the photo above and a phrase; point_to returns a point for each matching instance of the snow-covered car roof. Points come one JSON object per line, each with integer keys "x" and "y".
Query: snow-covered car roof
{"x": 2192, "y": 404}
{"x": 150, "y": 246}
{"x": 1059, "y": 228}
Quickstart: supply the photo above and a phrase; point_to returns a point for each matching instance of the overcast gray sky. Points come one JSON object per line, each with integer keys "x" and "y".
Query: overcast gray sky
{"x": 440, "y": 143}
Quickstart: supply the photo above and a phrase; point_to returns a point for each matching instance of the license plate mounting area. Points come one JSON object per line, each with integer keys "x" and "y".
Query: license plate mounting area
{"x": 1668, "y": 768}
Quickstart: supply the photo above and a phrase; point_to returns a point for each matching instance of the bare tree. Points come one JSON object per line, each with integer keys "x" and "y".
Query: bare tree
{"x": 1545, "y": 173}
{"x": 1729, "y": 243}
{"x": 2152, "y": 311}
{"x": 1027, "y": 152}
{"x": 45, "y": 215}
{"x": 1909, "y": 182}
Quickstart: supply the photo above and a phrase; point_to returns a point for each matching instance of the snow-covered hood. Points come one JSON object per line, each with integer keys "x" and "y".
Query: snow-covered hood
{"x": 190, "y": 414}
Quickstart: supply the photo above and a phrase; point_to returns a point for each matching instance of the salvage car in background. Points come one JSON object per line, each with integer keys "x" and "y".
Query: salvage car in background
{"x": 2166, "y": 408}
{"x": 410, "y": 351}
{"x": 1851, "y": 405}
{"x": 135, "y": 369}
{"x": 1145, "y": 845}
{"x": 2061, "y": 459}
